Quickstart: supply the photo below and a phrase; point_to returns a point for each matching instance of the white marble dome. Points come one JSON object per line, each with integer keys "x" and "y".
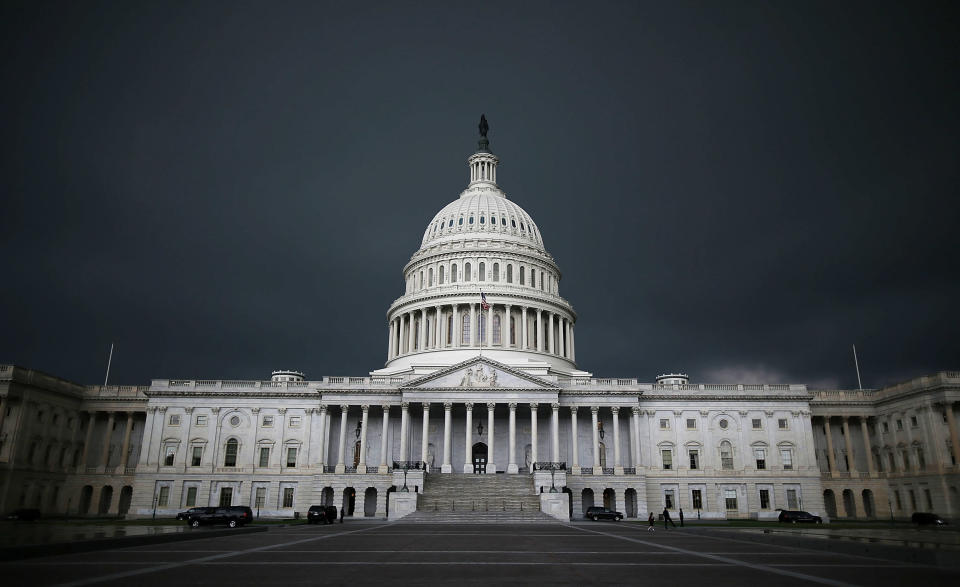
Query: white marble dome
{"x": 483, "y": 211}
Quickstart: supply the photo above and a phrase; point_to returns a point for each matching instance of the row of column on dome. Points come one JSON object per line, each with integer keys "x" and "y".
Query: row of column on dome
{"x": 480, "y": 271}
{"x": 467, "y": 326}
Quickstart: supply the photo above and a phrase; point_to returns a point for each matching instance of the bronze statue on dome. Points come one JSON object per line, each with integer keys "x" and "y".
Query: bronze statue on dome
{"x": 484, "y": 127}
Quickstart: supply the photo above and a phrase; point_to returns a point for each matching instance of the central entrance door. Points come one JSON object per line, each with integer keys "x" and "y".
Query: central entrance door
{"x": 479, "y": 459}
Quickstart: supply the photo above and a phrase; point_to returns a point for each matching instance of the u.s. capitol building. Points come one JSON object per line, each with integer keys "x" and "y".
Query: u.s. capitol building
{"x": 481, "y": 406}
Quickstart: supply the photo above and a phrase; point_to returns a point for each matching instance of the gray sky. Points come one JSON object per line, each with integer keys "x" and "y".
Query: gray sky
{"x": 737, "y": 190}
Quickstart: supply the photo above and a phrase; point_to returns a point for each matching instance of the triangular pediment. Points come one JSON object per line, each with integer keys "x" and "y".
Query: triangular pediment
{"x": 479, "y": 373}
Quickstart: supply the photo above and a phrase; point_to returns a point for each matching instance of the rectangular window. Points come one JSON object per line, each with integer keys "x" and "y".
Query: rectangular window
{"x": 294, "y": 421}
{"x": 906, "y": 461}
{"x": 886, "y": 427}
{"x": 792, "y": 503}
{"x": 191, "y": 496}
{"x": 169, "y": 453}
{"x": 267, "y": 421}
{"x": 756, "y": 423}
{"x": 893, "y": 462}
{"x": 291, "y": 457}
{"x": 668, "y": 499}
{"x": 896, "y": 495}
{"x": 197, "y": 457}
{"x": 288, "y": 497}
{"x": 913, "y": 500}
{"x": 264, "y": 456}
{"x": 926, "y": 494}
{"x": 697, "y": 499}
{"x": 764, "y": 499}
{"x": 786, "y": 455}
{"x": 667, "y": 457}
{"x": 899, "y": 424}
{"x": 174, "y": 419}
{"x": 261, "y": 497}
{"x": 730, "y": 498}
{"x": 761, "y": 456}
{"x": 226, "y": 497}
{"x": 664, "y": 424}
{"x": 694, "y": 459}
{"x": 913, "y": 421}
{"x": 921, "y": 461}
{"x": 163, "y": 497}
{"x": 201, "y": 420}
{"x": 782, "y": 423}
{"x": 691, "y": 423}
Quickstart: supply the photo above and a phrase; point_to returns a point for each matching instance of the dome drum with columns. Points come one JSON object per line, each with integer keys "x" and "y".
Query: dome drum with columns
{"x": 481, "y": 242}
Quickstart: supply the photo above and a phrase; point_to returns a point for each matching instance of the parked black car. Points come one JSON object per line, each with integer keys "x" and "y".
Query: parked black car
{"x": 232, "y": 516}
{"x": 322, "y": 514}
{"x": 25, "y": 515}
{"x": 794, "y": 516}
{"x": 186, "y": 515}
{"x": 597, "y": 513}
{"x": 925, "y": 518}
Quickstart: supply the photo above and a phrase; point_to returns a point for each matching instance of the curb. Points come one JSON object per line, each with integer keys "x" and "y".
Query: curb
{"x": 14, "y": 553}
{"x": 935, "y": 557}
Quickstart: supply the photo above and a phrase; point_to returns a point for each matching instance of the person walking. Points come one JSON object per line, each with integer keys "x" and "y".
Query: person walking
{"x": 652, "y": 522}
{"x": 667, "y": 518}
{"x": 681, "y": 517}
{"x": 343, "y": 509}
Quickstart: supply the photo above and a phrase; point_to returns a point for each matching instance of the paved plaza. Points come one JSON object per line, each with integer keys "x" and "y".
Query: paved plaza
{"x": 427, "y": 554}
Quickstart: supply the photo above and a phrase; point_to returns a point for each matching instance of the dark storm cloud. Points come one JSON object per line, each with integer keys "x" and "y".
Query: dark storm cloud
{"x": 736, "y": 191}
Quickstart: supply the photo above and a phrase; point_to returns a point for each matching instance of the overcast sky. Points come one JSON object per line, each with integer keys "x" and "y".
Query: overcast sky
{"x": 735, "y": 190}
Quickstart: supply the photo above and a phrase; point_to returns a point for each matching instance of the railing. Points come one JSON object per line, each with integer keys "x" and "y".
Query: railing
{"x": 629, "y": 470}
{"x": 409, "y": 466}
{"x": 549, "y": 466}
{"x": 349, "y": 469}
{"x": 329, "y": 468}
{"x": 607, "y": 470}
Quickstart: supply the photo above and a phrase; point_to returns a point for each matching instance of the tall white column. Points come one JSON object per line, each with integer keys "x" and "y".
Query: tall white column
{"x": 596, "y": 441}
{"x": 468, "y": 434}
{"x": 125, "y": 448}
{"x": 384, "y": 432}
{"x": 438, "y": 318}
{"x": 512, "y": 446}
{"x": 322, "y": 434}
{"x": 489, "y": 314}
{"x": 866, "y": 447}
{"x": 635, "y": 429}
{"x": 561, "y": 349}
{"x": 341, "y": 468}
{"x": 506, "y": 327}
{"x": 411, "y": 331}
{"x": 540, "y": 345}
{"x": 390, "y": 342}
{"x": 457, "y": 327}
{"x": 573, "y": 345}
{"x": 617, "y": 464}
{"x": 523, "y": 326}
{"x": 533, "y": 436}
{"x": 491, "y": 467}
{"x": 425, "y": 433}
{"x": 555, "y": 431}
{"x": 575, "y": 442}
{"x": 446, "y": 467}
{"x": 404, "y": 417}
{"x": 423, "y": 329}
{"x": 552, "y": 346}
{"x": 362, "y": 465}
{"x": 105, "y": 451}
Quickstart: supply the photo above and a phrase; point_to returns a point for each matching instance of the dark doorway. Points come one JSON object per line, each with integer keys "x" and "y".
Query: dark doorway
{"x": 830, "y": 503}
{"x": 226, "y": 496}
{"x": 126, "y": 494}
{"x": 479, "y": 458}
{"x": 106, "y": 498}
{"x": 586, "y": 499}
{"x": 570, "y": 501}
{"x": 349, "y": 499}
{"x": 326, "y": 496}
{"x": 370, "y": 502}
{"x": 609, "y": 499}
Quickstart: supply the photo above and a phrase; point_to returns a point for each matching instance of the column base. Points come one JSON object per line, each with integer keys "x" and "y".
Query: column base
{"x": 491, "y": 469}
{"x": 596, "y": 471}
{"x": 467, "y": 468}
{"x": 340, "y": 469}
{"x": 361, "y": 469}
{"x": 618, "y": 470}
{"x": 513, "y": 469}
{"x": 383, "y": 470}
{"x": 575, "y": 470}
{"x": 446, "y": 469}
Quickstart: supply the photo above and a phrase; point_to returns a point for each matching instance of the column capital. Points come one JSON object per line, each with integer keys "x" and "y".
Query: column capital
{"x": 255, "y": 411}
{"x": 344, "y": 408}
{"x": 365, "y": 407}
{"x": 636, "y": 411}
{"x": 468, "y": 405}
{"x": 616, "y": 410}
{"x": 163, "y": 410}
{"x": 425, "y": 405}
{"x": 150, "y": 409}
{"x": 386, "y": 408}
{"x": 534, "y": 406}
{"x": 512, "y": 405}
{"x": 573, "y": 410}
{"x": 594, "y": 409}
{"x": 215, "y": 411}
{"x": 313, "y": 410}
{"x": 323, "y": 408}
{"x": 405, "y": 406}
{"x": 188, "y": 410}
{"x": 447, "y": 406}
{"x": 282, "y": 411}
{"x": 491, "y": 406}
{"x": 555, "y": 407}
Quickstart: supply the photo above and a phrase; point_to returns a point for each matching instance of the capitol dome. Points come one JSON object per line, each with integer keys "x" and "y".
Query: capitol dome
{"x": 481, "y": 246}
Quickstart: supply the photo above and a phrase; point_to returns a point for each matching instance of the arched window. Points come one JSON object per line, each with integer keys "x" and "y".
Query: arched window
{"x": 541, "y": 281}
{"x": 496, "y": 271}
{"x": 483, "y": 220}
{"x": 451, "y": 222}
{"x": 430, "y": 276}
{"x": 465, "y": 328}
{"x": 509, "y": 273}
{"x": 441, "y": 275}
{"x": 420, "y": 285}
{"x": 513, "y": 330}
{"x": 450, "y": 329}
{"x": 460, "y": 222}
{"x": 471, "y": 220}
{"x": 453, "y": 273}
{"x": 466, "y": 272}
{"x": 533, "y": 278}
{"x": 483, "y": 271}
{"x": 496, "y": 329}
{"x": 230, "y": 454}
{"x": 726, "y": 455}
{"x": 522, "y": 282}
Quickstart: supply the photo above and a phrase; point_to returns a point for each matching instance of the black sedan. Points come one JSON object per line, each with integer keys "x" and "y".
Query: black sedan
{"x": 794, "y": 516}
{"x": 600, "y": 513}
{"x": 192, "y": 511}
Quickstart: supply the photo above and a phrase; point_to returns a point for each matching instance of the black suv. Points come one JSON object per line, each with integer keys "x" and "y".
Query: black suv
{"x": 322, "y": 514}
{"x": 924, "y": 518}
{"x": 186, "y": 514}
{"x": 232, "y": 516}
{"x": 26, "y": 515}
{"x": 596, "y": 513}
{"x": 794, "y": 516}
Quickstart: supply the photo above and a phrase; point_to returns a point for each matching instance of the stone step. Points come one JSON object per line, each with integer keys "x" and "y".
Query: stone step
{"x": 420, "y": 517}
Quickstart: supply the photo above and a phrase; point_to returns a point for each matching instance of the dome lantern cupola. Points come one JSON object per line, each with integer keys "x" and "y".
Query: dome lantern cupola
{"x": 483, "y": 163}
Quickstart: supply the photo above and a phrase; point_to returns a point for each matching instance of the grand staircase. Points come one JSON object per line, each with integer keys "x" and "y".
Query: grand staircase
{"x": 475, "y": 499}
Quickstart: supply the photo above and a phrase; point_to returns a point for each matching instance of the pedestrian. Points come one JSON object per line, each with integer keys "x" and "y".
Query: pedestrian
{"x": 652, "y": 522}
{"x": 681, "y": 517}
{"x": 666, "y": 518}
{"x": 341, "y": 514}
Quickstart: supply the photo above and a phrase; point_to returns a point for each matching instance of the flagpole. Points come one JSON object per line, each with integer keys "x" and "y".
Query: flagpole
{"x": 480, "y": 326}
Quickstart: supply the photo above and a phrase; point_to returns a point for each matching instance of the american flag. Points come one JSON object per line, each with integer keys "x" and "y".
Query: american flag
{"x": 483, "y": 301}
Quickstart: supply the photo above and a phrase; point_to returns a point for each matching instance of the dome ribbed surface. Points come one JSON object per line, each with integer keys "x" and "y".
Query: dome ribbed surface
{"x": 492, "y": 214}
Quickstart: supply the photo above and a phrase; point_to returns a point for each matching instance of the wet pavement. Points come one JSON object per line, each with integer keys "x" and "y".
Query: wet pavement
{"x": 35, "y": 533}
